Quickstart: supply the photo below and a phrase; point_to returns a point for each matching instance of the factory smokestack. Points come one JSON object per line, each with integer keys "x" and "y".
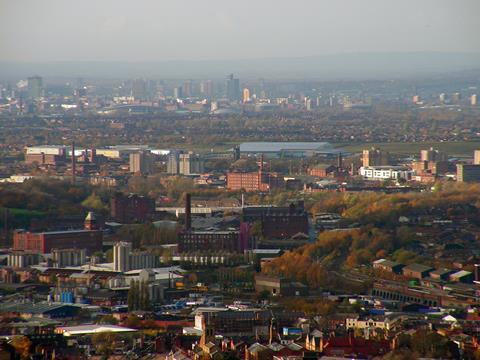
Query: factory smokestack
{"x": 260, "y": 173}
{"x": 188, "y": 212}
{"x": 74, "y": 163}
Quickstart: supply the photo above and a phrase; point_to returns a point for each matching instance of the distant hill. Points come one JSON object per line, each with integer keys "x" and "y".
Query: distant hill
{"x": 325, "y": 67}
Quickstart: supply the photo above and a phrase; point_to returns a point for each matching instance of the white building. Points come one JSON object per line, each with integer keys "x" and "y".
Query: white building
{"x": 119, "y": 151}
{"x": 190, "y": 164}
{"x": 374, "y": 322}
{"x": 140, "y": 162}
{"x": 143, "y": 260}
{"x": 124, "y": 259}
{"x": 17, "y": 179}
{"x": 385, "y": 172}
{"x": 121, "y": 256}
{"x": 21, "y": 259}
{"x": 46, "y": 149}
{"x": 68, "y": 257}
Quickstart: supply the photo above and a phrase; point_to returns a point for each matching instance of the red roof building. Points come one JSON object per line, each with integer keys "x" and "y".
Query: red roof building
{"x": 355, "y": 347}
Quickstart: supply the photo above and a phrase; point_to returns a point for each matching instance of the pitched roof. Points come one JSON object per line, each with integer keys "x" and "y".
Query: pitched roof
{"x": 276, "y": 346}
{"x": 91, "y": 216}
{"x": 386, "y": 263}
{"x": 257, "y": 347}
{"x": 32, "y": 308}
{"x": 294, "y": 347}
{"x": 460, "y": 274}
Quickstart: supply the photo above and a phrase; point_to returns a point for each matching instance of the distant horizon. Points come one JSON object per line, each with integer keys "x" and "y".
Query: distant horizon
{"x": 347, "y": 53}
{"x": 341, "y": 66}
{"x": 149, "y": 30}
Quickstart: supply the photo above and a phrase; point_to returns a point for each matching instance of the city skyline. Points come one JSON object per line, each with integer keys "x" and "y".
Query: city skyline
{"x": 353, "y": 66}
{"x": 244, "y": 180}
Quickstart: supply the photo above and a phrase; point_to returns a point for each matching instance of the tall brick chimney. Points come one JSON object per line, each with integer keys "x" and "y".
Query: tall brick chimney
{"x": 74, "y": 163}
{"x": 188, "y": 212}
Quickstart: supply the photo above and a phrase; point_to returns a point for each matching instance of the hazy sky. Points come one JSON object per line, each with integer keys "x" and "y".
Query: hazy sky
{"x": 151, "y": 30}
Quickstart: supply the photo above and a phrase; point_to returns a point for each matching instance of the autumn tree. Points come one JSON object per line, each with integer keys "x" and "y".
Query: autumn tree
{"x": 108, "y": 319}
{"x": 22, "y": 345}
{"x": 104, "y": 343}
{"x": 94, "y": 202}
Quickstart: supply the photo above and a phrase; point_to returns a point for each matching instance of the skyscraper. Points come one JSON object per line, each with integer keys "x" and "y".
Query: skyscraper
{"x": 206, "y": 88}
{"x": 456, "y": 98}
{"x": 121, "y": 256}
{"x": 468, "y": 173}
{"x": 178, "y": 92}
{"x": 188, "y": 88}
{"x": 476, "y": 157}
{"x": 68, "y": 257}
{"x": 308, "y": 104}
{"x": 139, "y": 89}
{"x": 190, "y": 164}
{"x": 173, "y": 162}
{"x": 35, "y": 87}
{"x": 232, "y": 87}
{"x": 473, "y": 100}
{"x": 246, "y": 95}
{"x": 433, "y": 155}
{"x": 140, "y": 162}
{"x": 375, "y": 157}
{"x": 124, "y": 259}
{"x": 74, "y": 163}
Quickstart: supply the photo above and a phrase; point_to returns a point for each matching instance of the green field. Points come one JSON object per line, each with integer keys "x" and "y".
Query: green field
{"x": 464, "y": 148}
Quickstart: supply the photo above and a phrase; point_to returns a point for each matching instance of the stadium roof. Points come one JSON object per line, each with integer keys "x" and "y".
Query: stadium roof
{"x": 91, "y": 329}
{"x": 278, "y": 147}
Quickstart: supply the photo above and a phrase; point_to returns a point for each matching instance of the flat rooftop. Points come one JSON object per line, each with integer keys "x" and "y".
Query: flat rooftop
{"x": 276, "y": 147}
{"x": 59, "y": 232}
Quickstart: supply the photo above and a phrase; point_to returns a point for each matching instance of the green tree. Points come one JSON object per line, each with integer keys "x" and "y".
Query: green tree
{"x": 145, "y": 296}
{"x": 256, "y": 229}
{"x": 109, "y": 255}
{"x": 136, "y": 298}
{"x": 263, "y": 295}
